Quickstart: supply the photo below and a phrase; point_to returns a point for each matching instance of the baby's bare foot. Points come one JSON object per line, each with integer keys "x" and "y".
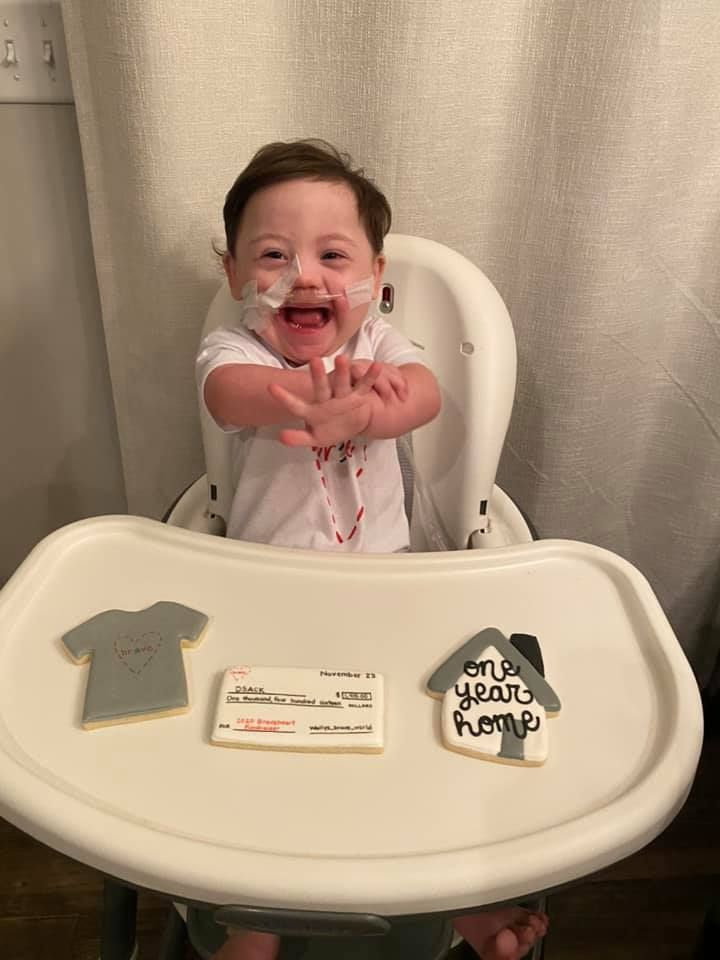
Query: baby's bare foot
{"x": 249, "y": 945}
{"x": 506, "y": 934}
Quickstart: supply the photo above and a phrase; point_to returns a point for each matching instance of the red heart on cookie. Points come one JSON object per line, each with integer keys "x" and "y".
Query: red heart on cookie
{"x": 136, "y": 653}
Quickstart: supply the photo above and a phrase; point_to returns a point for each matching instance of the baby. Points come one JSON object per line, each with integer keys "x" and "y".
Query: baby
{"x": 315, "y": 387}
{"x": 304, "y": 235}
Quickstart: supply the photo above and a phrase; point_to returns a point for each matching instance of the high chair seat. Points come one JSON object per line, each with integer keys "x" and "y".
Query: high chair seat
{"x": 509, "y": 526}
{"x": 417, "y": 829}
{"x": 451, "y": 311}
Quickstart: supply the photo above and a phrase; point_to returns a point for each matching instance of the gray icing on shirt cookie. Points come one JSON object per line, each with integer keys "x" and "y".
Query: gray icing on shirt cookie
{"x": 137, "y": 662}
{"x": 449, "y": 671}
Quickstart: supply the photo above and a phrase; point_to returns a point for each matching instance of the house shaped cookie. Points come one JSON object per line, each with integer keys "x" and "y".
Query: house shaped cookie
{"x": 495, "y": 701}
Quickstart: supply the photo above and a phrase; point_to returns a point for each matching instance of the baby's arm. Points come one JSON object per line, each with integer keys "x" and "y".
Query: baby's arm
{"x": 383, "y": 401}
{"x": 397, "y": 410}
{"x": 340, "y": 410}
{"x": 236, "y": 394}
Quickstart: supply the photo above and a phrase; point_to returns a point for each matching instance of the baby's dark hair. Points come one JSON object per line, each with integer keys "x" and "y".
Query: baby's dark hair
{"x": 311, "y": 160}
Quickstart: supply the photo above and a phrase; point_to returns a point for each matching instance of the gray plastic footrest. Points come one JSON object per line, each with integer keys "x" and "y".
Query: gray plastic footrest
{"x": 303, "y": 923}
{"x": 350, "y": 936}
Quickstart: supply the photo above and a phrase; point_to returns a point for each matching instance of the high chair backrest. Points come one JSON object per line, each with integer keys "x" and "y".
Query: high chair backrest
{"x": 450, "y": 310}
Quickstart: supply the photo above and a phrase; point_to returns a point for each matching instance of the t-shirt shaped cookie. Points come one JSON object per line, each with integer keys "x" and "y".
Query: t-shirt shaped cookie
{"x": 495, "y": 701}
{"x": 137, "y": 670}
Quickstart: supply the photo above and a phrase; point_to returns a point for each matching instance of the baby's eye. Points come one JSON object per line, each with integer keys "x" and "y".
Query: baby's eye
{"x": 273, "y": 255}
{"x": 333, "y": 255}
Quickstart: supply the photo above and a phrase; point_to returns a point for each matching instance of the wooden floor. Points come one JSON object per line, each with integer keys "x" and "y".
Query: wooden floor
{"x": 649, "y": 907}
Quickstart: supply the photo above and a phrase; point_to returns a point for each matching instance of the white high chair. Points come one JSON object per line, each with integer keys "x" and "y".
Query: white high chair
{"x": 342, "y": 844}
{"x": 446, "y": 306}
{"x": 449, "y": 309}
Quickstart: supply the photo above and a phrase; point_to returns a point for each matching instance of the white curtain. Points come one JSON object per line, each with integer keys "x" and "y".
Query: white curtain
{"x": 571, "y": 149}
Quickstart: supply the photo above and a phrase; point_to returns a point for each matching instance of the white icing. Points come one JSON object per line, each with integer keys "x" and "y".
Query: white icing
{"x": 299, "y": 708}
{"x": 490, "y": 712}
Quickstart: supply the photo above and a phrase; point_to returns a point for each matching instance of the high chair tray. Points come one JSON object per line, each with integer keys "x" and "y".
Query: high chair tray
{"x": 415, "y": 829}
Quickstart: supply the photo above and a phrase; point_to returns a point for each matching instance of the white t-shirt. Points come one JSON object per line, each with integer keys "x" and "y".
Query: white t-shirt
{"x": 348, "y": 497}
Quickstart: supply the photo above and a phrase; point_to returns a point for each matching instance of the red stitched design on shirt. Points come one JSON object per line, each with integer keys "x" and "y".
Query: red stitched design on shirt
{"x": 346, "y": 451}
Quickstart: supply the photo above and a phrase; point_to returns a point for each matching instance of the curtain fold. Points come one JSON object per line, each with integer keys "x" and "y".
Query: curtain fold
{"x": 571, "y": 150}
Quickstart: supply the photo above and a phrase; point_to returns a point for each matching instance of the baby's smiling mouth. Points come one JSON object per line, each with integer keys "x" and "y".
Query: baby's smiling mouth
{"x": 308, "y": 318}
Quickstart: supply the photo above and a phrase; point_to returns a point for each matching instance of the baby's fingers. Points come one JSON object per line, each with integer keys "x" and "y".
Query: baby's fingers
{"x": 368, "y": 379}
{"x": 399, "y": 385}
{"x": 296, "y": 438}
{"x": 321, "y": 383}
{"x": 384, "y": 389}
{"x": 294, "y": 405}
{"x": 358, "y": 368}
{"x": 342, "y": 386}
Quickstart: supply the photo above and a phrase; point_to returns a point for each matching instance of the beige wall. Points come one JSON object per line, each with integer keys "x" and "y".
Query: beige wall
{"x": 60, "y": 459}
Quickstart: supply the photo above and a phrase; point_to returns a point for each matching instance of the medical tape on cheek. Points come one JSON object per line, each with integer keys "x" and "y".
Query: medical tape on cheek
{"x": 250, "y": 314}
{"x": 275, "y": 295}
{"x": 360, "y": 292}
{"x": 257, "y": 309}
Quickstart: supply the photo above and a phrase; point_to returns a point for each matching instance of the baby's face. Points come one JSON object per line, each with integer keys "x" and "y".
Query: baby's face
{"x": 317, "y": 221}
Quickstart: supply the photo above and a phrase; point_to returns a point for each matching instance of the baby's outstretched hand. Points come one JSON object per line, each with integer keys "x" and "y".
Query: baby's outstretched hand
{"x": 339, "y": 409}
{"x": 391, "y": 383}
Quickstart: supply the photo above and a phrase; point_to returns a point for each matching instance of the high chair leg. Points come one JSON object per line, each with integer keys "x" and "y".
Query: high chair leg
{"x": 539, "y": 949}
{"x": 117, "y": 933}
{"x": 174, "y": 938}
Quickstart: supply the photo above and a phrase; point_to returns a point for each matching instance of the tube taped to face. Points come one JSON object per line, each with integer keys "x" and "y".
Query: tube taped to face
{"x": 256, "y": 309}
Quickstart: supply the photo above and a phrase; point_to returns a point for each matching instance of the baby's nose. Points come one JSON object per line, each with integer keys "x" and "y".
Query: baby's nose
{"x": 309, "y": 275}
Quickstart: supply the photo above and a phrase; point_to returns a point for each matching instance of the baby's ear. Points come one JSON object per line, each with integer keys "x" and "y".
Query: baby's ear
{"x": 378, "y": 270}
{"x": 230, "y": 268}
